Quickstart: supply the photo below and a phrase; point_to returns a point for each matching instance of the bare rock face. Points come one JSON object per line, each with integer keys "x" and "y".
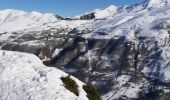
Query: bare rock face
{"x": 34, "y": 49}
{"x": 111, "y": 64}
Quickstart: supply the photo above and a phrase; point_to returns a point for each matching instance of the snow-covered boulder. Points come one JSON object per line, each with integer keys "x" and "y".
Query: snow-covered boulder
{"x": 24, "y": 77}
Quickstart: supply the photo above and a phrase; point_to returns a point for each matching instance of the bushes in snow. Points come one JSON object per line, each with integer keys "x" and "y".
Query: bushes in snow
{"x": 92, "y": 93}
{"x": 47, "y": 62}
{"x": 70, "y": 84}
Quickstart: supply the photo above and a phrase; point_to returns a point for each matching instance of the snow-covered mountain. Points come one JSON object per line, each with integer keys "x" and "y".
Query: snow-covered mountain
{"x": 123, "y": 51}
{"x": 109, "y": 11}
{"x": 98, "y": 13}
{"x": 13, "y": 20}
{"x": 157, "y": 3}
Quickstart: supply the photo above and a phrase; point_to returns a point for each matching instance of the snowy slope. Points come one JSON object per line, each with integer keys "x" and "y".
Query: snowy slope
{"x": 24, "y": 77}
{"x": 141, "y": 17}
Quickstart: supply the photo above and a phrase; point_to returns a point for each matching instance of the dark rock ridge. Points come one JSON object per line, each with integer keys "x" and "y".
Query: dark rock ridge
{"x": 88, "y": 16}
{"x": 59, "y": 17}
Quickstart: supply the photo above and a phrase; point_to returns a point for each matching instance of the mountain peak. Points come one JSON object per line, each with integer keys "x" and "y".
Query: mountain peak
{"x": 112, "y": 7}
{"x": 106, "y": 12}
{"x": 156, "y": 3}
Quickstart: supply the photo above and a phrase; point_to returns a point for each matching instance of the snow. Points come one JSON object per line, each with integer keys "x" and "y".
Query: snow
{"x": 24, "y": 77}
{"x": 122, "y": 90}
{"x": 123, "y": 20}
{"x": 15, "y": 20}
{"x": 99, "y": 14}
{"x": 153, "y": 3}
{"x": 19, "y": 23}
{"x": 56, "y": 52}
{"x": 156, "y": 3}
{"x": 123, "y": 79}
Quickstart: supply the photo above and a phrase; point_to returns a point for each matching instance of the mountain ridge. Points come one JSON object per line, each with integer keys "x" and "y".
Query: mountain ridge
{"x": 13, "y": 18}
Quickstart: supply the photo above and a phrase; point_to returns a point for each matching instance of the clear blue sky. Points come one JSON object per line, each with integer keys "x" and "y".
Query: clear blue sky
{"x": 62, "y": 7}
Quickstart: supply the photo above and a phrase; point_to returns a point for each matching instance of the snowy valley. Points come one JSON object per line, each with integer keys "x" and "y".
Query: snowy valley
{"x": 123, "y": 51}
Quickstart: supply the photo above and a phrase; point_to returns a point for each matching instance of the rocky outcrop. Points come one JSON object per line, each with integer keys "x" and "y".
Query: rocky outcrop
{"x": 59, "y": 17}
{"x": 88, "y": 16}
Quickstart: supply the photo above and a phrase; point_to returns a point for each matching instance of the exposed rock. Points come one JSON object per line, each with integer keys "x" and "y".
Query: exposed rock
{"x": 88, "y": 16}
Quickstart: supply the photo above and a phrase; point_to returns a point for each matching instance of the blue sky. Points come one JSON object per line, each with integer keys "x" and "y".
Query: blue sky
{"x": 62, "y": 7}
